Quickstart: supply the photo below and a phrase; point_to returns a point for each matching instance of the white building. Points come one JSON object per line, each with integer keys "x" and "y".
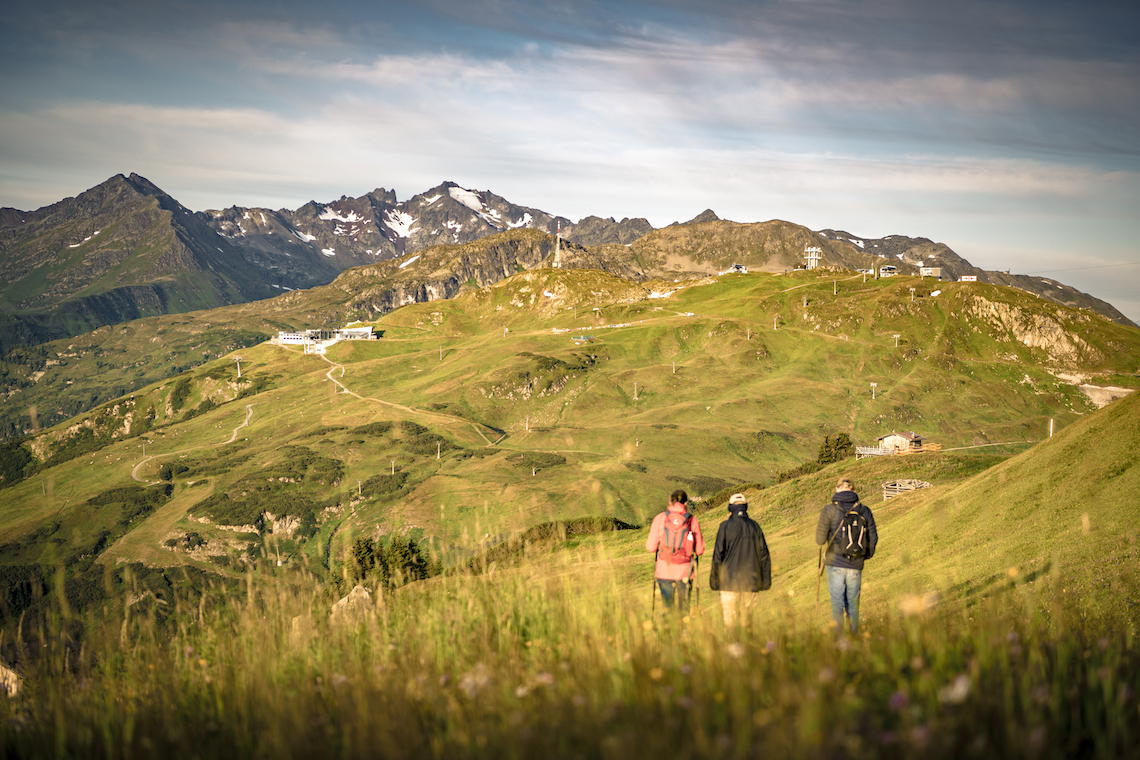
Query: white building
{"x": 309, "y": 336}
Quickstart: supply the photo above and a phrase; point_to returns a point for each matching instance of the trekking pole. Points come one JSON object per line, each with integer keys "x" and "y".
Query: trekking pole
{"x": 693, "y": 578}
{"x": 819, "y": 575}
{"x": 653, "y": 607}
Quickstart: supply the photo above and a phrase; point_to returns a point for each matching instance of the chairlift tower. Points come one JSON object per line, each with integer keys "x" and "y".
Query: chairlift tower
{"x": 812, "y": 255}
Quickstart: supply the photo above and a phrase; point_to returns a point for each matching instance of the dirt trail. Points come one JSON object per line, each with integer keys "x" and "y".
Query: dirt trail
{"x": 233, "y": 437}
{"x": 437, "y": 416}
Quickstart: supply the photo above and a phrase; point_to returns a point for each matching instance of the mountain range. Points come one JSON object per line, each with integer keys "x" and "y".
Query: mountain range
{"x": 125, "y": 249}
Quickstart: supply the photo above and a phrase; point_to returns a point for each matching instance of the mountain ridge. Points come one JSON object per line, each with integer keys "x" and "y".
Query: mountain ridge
{"x": 125, "y": 249}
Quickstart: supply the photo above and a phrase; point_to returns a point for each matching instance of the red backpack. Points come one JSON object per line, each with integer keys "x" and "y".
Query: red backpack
{"x": 677, "y": 548}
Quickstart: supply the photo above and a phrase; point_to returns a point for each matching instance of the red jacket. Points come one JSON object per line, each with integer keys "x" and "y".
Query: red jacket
{"x": 667, "y": 571}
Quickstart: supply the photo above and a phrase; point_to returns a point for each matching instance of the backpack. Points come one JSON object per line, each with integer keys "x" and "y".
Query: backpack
{"x": 677, "y": 548}
{"x": 850, "y": 537}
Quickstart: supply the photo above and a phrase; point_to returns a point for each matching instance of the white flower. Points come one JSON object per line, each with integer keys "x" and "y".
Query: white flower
{"x": 956, "y": 692}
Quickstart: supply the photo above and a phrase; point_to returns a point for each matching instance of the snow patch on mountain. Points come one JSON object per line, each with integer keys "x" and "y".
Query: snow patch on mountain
{"x": 331, "y": 214}
{"x": 401, "y": 223}
{"x": 329, "y": 251}
{"x": 471, "y": 200}
{"x": 93, "y": 234}
{"x": 303, "y": 236}
{"x": 409, "y": 261}
{"x": 468, "y": 198}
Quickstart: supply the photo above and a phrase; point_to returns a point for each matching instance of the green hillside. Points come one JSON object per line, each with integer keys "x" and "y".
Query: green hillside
{"x": 549, "y": 396}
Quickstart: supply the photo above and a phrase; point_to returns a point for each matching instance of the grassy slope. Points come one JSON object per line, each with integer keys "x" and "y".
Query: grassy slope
{"x": 706, "y": 386}
{"x": 985, "y": 528}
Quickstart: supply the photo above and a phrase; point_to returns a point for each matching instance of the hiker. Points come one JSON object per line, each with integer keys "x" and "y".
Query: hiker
{"x": 848, "y": 530}
{"x": 676, "y": 539}
{"x": 741, "y": 566}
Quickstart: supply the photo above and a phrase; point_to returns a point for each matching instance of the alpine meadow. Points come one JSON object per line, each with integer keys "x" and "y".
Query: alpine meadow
{"x": 226, "y": 542}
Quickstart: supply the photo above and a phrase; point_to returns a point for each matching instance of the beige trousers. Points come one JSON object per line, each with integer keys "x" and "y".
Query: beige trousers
{"x": 737, "y": 605}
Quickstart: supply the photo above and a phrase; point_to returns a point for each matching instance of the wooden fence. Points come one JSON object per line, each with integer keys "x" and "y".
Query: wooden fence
{"x": 893, "y": 488}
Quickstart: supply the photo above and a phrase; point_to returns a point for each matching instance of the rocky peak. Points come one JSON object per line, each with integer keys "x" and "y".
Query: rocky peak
{"x": 708, "y": 215}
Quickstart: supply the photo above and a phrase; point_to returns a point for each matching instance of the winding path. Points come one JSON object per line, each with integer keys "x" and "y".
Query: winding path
{"x": 233, "y": 437}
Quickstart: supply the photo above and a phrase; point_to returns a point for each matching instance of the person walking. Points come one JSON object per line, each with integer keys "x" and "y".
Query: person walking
{"x": 675, "y": 537}
{"x": 741, "y": 565}
{"x": 848, "y": 530}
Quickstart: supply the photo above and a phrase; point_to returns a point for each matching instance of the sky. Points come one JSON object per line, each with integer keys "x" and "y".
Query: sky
{"x": 1007, "y": 129}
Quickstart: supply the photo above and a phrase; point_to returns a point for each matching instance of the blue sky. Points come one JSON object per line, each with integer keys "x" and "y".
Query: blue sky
{"x": 1009, "y": 130}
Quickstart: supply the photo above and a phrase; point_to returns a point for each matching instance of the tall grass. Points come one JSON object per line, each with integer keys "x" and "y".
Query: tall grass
{"x": 557, "y": 658}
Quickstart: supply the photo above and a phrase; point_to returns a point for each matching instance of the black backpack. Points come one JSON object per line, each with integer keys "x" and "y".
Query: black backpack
{"x": 851, "y": 539}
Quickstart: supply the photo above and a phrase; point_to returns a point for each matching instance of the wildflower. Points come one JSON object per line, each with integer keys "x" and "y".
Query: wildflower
{"x": 544, "y": 679}
{"x": 656, "y": 674}
{"x": 339, "y": 679}
{"x": 521, "y": 691}
{"x": 899, "y": 700}
{"x": 918, "y": 604}
{"x": 956, "y": 692}
{"x": 735, "y": 650}
{"x": 647, "y": 625}
{"x": 826, "y": 675}
{"x": 770, "y": 646}
{"x": 473, "y": 681}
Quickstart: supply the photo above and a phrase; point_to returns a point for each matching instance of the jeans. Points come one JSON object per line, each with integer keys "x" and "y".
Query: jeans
{"x": 674, "y": 589}
{"x": 843, "y": 585}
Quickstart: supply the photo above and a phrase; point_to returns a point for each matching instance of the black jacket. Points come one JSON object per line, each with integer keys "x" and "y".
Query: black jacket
{"x": 829, "y": 519}
{"x": 740, "y": 560}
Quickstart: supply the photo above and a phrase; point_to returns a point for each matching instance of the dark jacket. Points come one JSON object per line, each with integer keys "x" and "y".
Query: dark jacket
{"x": 740, "y": 560}
{"x": 829, "y": 519}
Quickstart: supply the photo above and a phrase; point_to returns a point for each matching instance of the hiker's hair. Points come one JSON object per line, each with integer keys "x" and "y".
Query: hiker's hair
{"x": 845, "y": 484}
{"x": 679, "y": 497}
